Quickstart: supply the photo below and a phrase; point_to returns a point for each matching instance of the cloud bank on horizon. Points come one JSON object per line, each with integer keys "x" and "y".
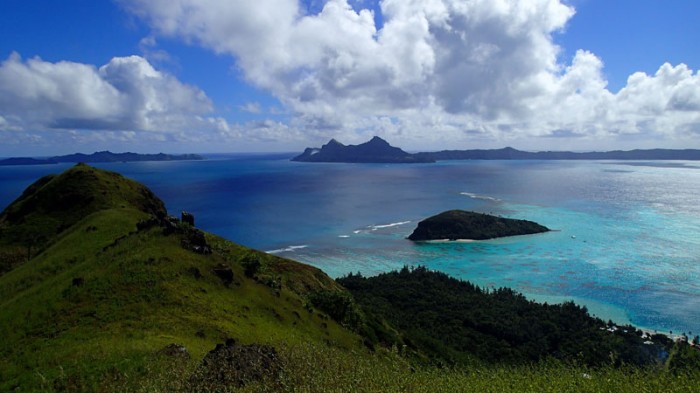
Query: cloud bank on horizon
{"x": 420, "y": 72}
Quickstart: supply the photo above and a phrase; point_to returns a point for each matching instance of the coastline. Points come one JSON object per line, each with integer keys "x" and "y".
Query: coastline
{"x": 604, "y": 311}
{"x": 439, "y": 241}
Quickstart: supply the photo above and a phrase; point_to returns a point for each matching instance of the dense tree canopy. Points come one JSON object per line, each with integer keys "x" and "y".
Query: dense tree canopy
{"x": 452, "y": 320}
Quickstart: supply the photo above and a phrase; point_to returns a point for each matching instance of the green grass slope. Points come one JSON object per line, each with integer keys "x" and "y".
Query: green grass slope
{"x": 103, "y": 298}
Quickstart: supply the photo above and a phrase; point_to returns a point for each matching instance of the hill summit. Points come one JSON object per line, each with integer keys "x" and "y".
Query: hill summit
{"x": 376, "y": 150}
{"x": 54, "y": 203}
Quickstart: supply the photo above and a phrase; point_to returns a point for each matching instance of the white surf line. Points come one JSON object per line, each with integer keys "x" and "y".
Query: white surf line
{"x": 393, "y": 224}
{"x": 482, "y": 197}
{"x": 287, "y": 249}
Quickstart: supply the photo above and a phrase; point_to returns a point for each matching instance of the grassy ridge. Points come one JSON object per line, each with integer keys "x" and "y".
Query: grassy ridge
{"x": 138, "y": 297}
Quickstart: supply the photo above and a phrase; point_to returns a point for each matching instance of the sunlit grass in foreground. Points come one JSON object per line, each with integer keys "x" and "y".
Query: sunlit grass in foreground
{"x": 312, "y": 368}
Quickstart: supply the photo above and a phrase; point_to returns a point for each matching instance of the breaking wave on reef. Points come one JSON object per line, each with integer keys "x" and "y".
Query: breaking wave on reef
{"x": 394, "y": 224}
{"x": 482, "y": 197}
{"x": 286, "y": 249}
{"x": 372, "y": 228}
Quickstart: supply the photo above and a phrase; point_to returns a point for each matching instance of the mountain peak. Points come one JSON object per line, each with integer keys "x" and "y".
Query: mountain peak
{"x": 378, "y": 141}
{"x": 332, "y": 145}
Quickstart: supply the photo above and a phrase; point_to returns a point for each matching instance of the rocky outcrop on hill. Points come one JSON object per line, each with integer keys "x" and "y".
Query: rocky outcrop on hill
{"x": 234, "y": 365}
{"x": 193, "y": 239}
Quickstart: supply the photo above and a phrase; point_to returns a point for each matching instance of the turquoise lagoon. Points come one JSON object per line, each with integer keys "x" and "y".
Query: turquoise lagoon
{"x": 626, "y": 239}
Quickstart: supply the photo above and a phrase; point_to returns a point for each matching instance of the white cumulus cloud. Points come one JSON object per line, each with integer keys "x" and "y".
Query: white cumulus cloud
{"x": 436, "y": 69}
{"x": 125, "y": 94}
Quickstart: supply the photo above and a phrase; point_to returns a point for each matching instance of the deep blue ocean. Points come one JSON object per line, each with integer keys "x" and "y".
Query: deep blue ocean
{"x": 626, "y": 245}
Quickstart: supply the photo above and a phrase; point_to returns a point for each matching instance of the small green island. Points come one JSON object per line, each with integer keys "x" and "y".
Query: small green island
{"x": 455, "y": 225}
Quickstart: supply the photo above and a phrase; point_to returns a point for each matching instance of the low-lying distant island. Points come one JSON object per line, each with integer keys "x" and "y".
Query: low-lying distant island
{"x": 454, "y": 225}
{"x": 100, "y": 156}
{"x": 377, "y": 150}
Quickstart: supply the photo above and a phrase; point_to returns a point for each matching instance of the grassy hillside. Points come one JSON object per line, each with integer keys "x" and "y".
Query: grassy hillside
{"x": 54, "y": 203}
{"x": 110, "y": 283}
{"x": 100, "y": 301}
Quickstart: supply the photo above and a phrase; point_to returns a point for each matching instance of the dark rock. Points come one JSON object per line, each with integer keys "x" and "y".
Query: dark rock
{"x": 175, "y": 350}
{"x": 170, "y": 225}
{"x": 146, "y": 224}
{"x": 187, "y": 218}
{"x": 232, "y": 366}
{"x": 224, "y": 272}
{"x": 195, "y": 240}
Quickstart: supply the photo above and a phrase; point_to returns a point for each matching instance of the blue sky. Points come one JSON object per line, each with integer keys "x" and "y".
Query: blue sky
{"x": 631, "y": 36}
{"x": 279, "y": 75}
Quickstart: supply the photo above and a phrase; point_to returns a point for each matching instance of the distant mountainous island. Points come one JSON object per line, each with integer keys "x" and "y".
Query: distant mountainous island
{"x": 378, "y": 150}
{"x": 100, "y": 156}
{"x": 459, "y": 224}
